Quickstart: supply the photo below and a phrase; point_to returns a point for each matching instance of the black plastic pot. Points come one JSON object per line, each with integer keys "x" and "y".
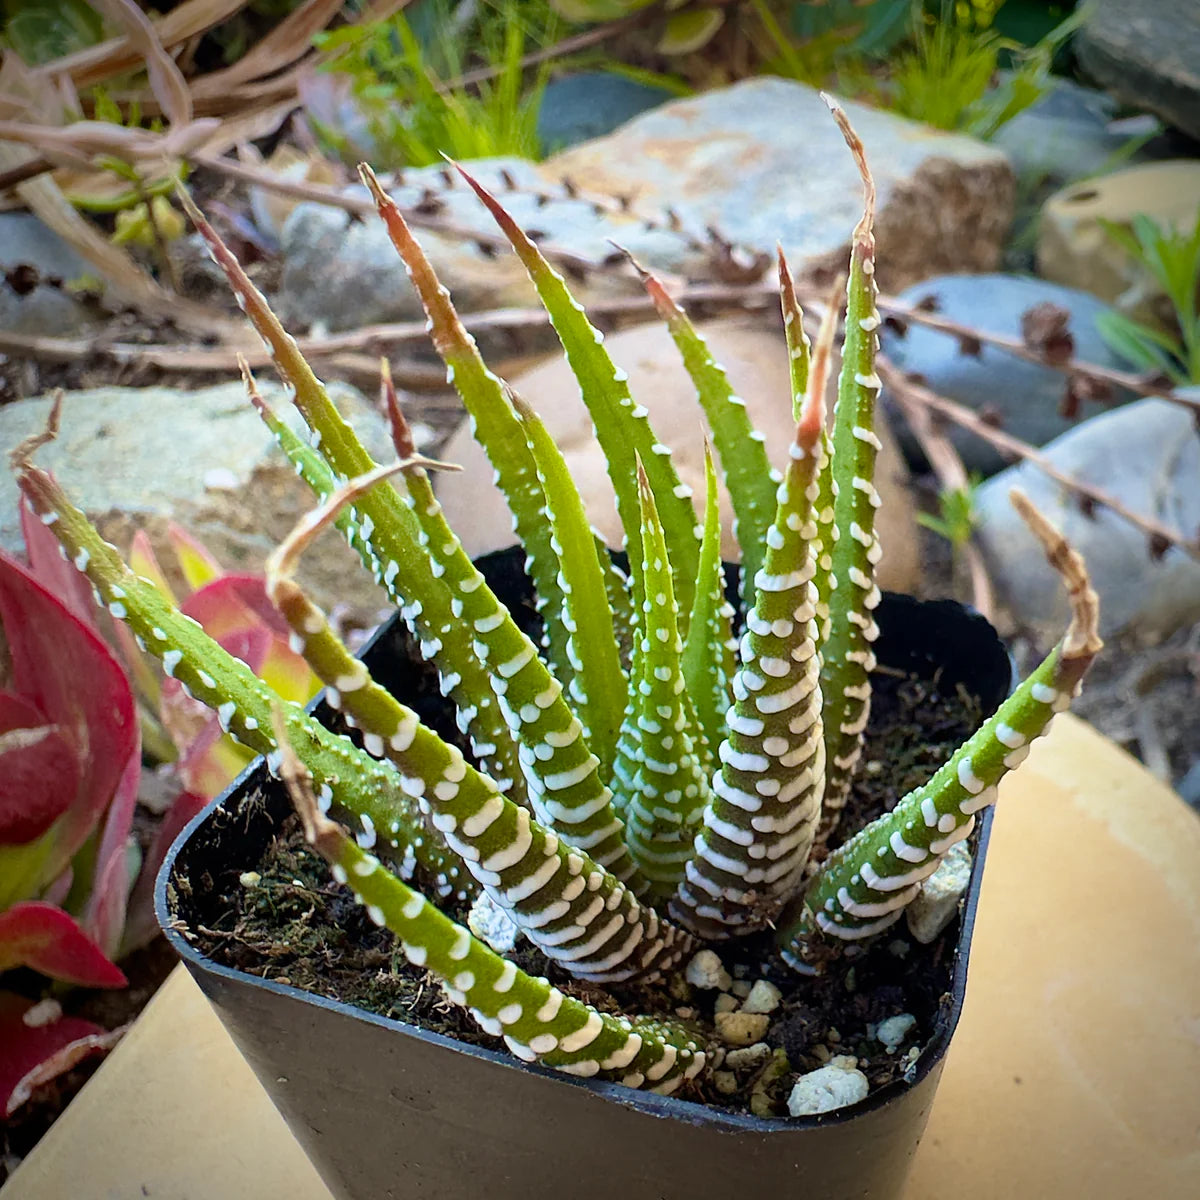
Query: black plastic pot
{"x": 385, "y": 1109}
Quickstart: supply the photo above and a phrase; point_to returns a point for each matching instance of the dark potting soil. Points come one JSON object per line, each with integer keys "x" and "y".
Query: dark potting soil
{"x": 284, "y": 919}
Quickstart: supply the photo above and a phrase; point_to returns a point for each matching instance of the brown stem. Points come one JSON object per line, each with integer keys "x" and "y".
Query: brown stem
{"x": 901, "y": 385}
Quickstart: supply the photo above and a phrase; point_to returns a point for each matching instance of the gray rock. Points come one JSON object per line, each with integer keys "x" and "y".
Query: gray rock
{"x": 49, "y": 307}
{"x": 1146, "y": 454}
{"x": 1062, "y": 137}
{"x": 590, "y": 104}
{"x": 140, "y": 457}
{"x": 761, "y": 161}
{"x": 1147, "y": 54}
{"x": 1025, "y": 395}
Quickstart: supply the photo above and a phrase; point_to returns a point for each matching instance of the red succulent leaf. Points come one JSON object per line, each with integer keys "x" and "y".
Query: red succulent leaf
{"x": 37, "y": 1044}
{"x": 211, "y": 761}
{"x": 39, "y": 773}
{"x": 48, "y": 564}
{"x": 63, "y": 668}
{"x": 104, "y": 916}
{"x": 37, "y": 935}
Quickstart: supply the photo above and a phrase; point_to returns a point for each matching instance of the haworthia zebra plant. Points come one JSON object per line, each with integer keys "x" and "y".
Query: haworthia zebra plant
{"x": 620, "y": 808}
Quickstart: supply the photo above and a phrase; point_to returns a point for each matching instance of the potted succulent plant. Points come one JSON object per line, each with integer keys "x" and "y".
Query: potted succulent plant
{"x": 638, "y": 790}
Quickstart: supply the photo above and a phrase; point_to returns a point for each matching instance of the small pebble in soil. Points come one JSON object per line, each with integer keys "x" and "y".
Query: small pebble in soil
{"x": 763, "y": 997}
{"x": 937, "y": 901}
{"x": 725, "y": 1003}
{"x": 740, "y": 988}
{"x": 834, "y": 1085}
{"x": 741, "y": 1028}
{"x": 487, "y": 920}
{"x": 748, "y": 1056}
{"x": 892, "y": 1032}
{"x": 725, "y": 1082}
{"x": 249, "y": 879}
{"x": 707, "y": 972}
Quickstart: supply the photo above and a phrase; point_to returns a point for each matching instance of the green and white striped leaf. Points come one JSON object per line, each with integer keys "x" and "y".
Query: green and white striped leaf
{"x": 621, "y": 425}
{"x": 762, "y": 817}
{"x": 344, "y": 775}
{"x": 539, "y": 1022}
{"x": 848, "y": 657}
{"x": 494, "y": 425}
{"x": 867, "y": 882}
{"x": 565, "y": 902}
{"x": 670, "y": 784}
{"x": 598, "y": 684}
{"x": 748, "y": 475}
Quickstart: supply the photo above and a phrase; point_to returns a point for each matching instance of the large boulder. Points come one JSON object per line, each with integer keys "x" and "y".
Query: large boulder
{"x": 1147, "y": 455}
{"x": 755, "y": 357}
{"x": 1147, "y": 54}
{"x": 1025, "y": 396}
{"x": 136, "y": 458}
{"x": 761, "y": 162}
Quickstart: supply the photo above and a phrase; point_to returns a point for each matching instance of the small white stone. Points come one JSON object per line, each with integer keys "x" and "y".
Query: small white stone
{"x": 707, "y": 972}
{"x": 934, "y": 906}
{"x": 489, "y": 922}
{"x": 892, "y": 1032}
{"x": 249, "y": 879}
{"x": 741, "y": 1028}
{"x": 748, "y": 1056}
{"x": 832, "y": 1086}
{"x": 764, "y": 997}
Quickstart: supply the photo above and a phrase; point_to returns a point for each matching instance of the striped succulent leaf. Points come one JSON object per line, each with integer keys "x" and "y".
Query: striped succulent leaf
{"x": 848, "y": 658}
{"x": 539, "y": 1022}
{"x": 344, "y": 775}
{"x": 866, "y": 883}
{"x": 799, "y": 357}
{"x": 563, "y": 778}
{"x": 708, "y": 653}
{"x": 670, "y": 784}
{"x": 562, "y": 899}
{"x": 621, "y": 425}
{"x": 748, "y": 474}
{"x": 494, "y": 425}
{"x": 766, "y": 798}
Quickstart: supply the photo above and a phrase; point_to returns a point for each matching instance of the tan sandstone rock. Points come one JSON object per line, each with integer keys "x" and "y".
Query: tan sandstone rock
{"x": 753, "y": 353}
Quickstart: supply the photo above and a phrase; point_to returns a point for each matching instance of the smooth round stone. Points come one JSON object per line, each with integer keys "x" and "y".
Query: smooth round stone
{"x": 754, "y": 356}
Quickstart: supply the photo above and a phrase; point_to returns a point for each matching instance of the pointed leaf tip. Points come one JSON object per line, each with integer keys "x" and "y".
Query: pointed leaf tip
{"x": 865, "y": 226}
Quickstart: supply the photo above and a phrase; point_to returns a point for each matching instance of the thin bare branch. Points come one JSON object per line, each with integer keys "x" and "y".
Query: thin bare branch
{"x": 900, "y": 384}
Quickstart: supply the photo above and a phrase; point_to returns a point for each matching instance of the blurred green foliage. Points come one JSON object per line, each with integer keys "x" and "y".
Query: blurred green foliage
{"x": 1172, "y": 258}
